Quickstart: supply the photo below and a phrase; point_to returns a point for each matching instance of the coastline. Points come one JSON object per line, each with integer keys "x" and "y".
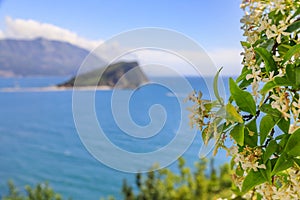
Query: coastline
{"x": 54, "y": 89}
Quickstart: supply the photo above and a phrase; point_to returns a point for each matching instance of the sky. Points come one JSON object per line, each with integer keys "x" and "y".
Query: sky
{"x": 213, "y": 24}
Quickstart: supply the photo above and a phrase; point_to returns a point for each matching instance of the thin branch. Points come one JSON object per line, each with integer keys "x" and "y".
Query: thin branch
{"x": 269, "y": 139}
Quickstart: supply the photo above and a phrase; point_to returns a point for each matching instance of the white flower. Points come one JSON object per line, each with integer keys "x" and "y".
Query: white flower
{"x": 256, "y": 75}
{"x": 281, "y": 104}
{"x": 252, "y": 38}
{"x": 265, "y": 23}
{"x": 249, "y": 56}
{"x": 252, "y": 165}
{"x": 233, "y": 151}
{"x": 270, "y": 78}
{"x": 277, "y": 32}
{"x": 279, "y": 6}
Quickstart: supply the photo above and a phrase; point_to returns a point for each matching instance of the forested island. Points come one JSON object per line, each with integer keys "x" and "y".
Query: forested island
{"x": 122, "y": 75}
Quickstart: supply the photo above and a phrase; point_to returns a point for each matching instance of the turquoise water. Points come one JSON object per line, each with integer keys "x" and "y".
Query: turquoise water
{"x": 39, "y": 141}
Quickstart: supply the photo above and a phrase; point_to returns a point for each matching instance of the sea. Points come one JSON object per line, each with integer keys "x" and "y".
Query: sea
{"x": 39, "y": 139}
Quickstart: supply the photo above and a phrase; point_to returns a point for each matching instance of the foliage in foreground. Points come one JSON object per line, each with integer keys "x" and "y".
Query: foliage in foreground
{"x": 40, "y": 192}
{"x": 262, "y": 115}
{"x": 167, "y": 185}
{"x": 155, "y": 185}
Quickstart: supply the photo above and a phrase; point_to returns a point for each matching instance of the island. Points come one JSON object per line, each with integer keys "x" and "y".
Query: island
{"x": 121, "y": 75}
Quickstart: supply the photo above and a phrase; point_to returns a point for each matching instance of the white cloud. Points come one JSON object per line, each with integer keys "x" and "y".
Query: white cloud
{"x": 30, "y": 29}
{"x": 229, "y": 58}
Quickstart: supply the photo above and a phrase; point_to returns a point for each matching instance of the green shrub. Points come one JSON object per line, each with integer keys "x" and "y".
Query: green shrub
{"x": 42, "y": 191}
{"x": 186, "y": 184}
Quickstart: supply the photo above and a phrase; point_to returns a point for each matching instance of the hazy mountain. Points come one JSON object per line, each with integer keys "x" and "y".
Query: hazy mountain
{"x": 121, "y": 75}
{"x": 42, "y": 57}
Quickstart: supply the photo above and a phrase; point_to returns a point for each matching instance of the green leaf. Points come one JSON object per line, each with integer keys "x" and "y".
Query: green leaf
{"x": 271, "y": 148}
{"x": 216, "y": 90}
{"x": 282, "y": 163}
{"x": 267, "y": 44}
{"x": 293, "y": 27}
{"x": 293, "y": 74}
{"x": 237, "y": 133}
{"x": 252, "y": 179}
{"x": 232, "y": 114}
{"x": 250, "y": 134}
{"x": 282, "y": 81}
{"x": 267, "y": 108}
{"x": 296, "y": 14}
{"x": 284, "y": 138}
{"x": 245, "y": 83}
{"x": 243, "y": 99}
{"x": 297, "y": 161}
{"x": 290, "y": 53}
{"x": 293, "y": 145}
{"x": 267, "y": 172}
{"x": 245, "y": 44}
{"x": 278, "y": 81}
{"x": 284, "y": 125}
{"x": 283, "y": 48}
{"x": 267, "y": 123}
{"x": 244, "y": 73}
{"x": 239, "y": 171}
{"x": 267, "y": 87}
{"x": 270, "y": 64}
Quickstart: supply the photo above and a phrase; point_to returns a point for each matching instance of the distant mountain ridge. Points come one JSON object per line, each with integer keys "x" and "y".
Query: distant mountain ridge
{"x": 42, "y": 57}
{"x": 123, "y": 75}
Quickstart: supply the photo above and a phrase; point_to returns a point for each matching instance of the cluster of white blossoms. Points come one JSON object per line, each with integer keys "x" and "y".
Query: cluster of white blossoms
{"x": 296, "y": 114}
{"x": 197, "y": 110}
{"x": 289, "y": 190}
{"x": 263, "y": 111}
{"x": 248, "y": 158}
{"x": 256, "y": 25}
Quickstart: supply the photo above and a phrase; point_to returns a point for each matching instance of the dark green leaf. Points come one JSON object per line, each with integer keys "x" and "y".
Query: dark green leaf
{"x": 282, "y": 81}
{"x": 293, "y": 145}
{"x": 267, "y": 44}
{"x": 293, "y": 27}
{"x": 267, "y": 108}
{"x": 282, "y": 163}
{"x": 290, "y": 73}
{"x": 271, "y": 148}
{"x": 296, "y": 14}
{"x": 284, "y": 125}
{"x": 237, "y": 133}
{"x": 252, "y": 179}
{"x": 270, "y": 64}
{"x": 242, "y": 98}
{"x": 267, "y": 172}
{"x": 267, "y": 123}
{"x": 244, "y": 73}
{"x": 250, "y": 135}
{"x": 297, "y": 161}
{"x": 278, "y": 81}
{"x": 267, "y": 87}
{"x": 291, "y": 52}
{"x": 245, "y": 83}
{"x": 293, "y": 74}
{"x": 283, "y": 140}
{"x": 283, "y": 48}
